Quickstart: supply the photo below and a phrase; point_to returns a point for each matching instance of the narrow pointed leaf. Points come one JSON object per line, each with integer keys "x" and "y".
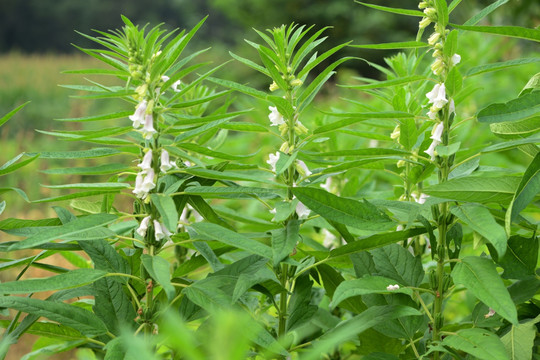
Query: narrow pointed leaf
{"x": 393, "y": 45}
{"x": 513, "y": 110}
{"x": 394, "y": 10}
{"x": 10, "y": 114}
{"x": 476, "y": 70}
{"x": 71, "y": 279}
{"x": 12, "y": 165}
{"x": 512, "y": 31}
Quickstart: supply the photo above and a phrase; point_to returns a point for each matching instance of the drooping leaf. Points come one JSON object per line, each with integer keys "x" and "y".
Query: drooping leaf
{"x": 70, "y": 279}
{"x": 528, "y": 188}
{"x": 167, "y": 209}
{"x": 513, "y": 110}
{"x": 519, "y": 341}
{"x": 480, "y": 343}
{"x": 158, "y": 268}
{"x": 112, "y": 305}
{"x": 476, "y": 70}
{"x": 512, "y": 31}
{"x": 481, "y": 278}
{"x": 519, "y": 261}
{"x": 13, "y": 165}
{"x": 284, "y": 241}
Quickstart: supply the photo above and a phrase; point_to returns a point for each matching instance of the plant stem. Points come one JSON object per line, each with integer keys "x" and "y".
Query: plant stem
{"x": 282, "y": 320}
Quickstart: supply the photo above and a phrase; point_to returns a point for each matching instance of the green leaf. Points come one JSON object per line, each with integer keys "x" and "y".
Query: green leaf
{"x": 231, "y": 192}
{"x": 212, "y": 153}
{"x": 388, "y": 83}
{"x": 331, "y": 280}
{"x": 476, "y": 70}
{"x": 476, "y": 189}
{"x": 167, "y": 209}
{"x": 12, "y": 165}
{"x": 396, "y": 262}
{"x": 17, "y": 190}
{"x": 519, "y": 341}
{"x": 105, "y": 257}
{"x": 361, "y": 215}
{"x": 519, "y": 261}
{"x": 454, "y": 82}
{"x": 484, "y": 12}
{"x": 376, "y": 241}
{"x": 71, "y": 279}
{"x": 159, "y": 269}
{"x": 300, "y": 309}
{"x": 516, "y": 129}
{"x": 76, "y": 195}
{"x": 516, "y": 109}
{"x": 284, "y": 241}
{"x": 353, "y": 118}
{"x": 82, "y": 154}
{"x": 442, "y": 11}
{"x": 116, "y": 115}
{"x": 229, "y": 237}
{"x": 512, "y": 31}
{"x": 479, "y": 275}
{"x": 528, "y": 188}
{"x": 102, "y": 186}
{"x": 2, "y": 207}
{"x": 229, "y": 175}
{"x": 10, "y": 114}
{"x": 480, "y": 343}
{"x": 113, "y": 305}
{"x": 393, "y": 10}
{"x": 50, "y": 330}
{"x": 507, "y": 145}
{"x": 480, "y": 220}
{"x": 75, "y": 317}
{"x": 248, "y": 90}
{"x": 208, "y": 293}
{"x": 77, "y": 227}
{"x": 93, "y": 170}
{"x": 364, "y": 286}
{"x": 393, "y": 45}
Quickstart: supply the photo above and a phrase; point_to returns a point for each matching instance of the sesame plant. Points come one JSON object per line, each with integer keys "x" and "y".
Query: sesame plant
{"x": 321, "y": 245}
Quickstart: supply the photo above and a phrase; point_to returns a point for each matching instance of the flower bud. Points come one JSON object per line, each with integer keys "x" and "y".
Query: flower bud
{"x": 424, "y": 23}
{"x": 273, "y": 86}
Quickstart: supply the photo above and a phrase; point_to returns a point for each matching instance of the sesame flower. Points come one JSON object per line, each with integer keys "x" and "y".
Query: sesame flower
{"x": 456, "y": 59}
{"x": 437, "y": 131}
{"x": 437, "y": 96}
{"x": 302, "y": 168}
{"x": 138, "y": 115}
{"x": 176, "y": 86}
{"x": 431, "y": 150}
{"x": 141, "y": 230}
{"x": 490, "y": 313}
{"x": 146, "y": 163}
{"x": 272, "y": 160}
{"x": 302, "y": 211}
{"x": 148, "y": 129}
{"x": 275, "y": 117}
{"x": 166, "y": 164}
{"x": 143, "y": 184}
{"x": 420, "y": 199}
{"x": 160, "y": 231}
{"x": 327, "y": 185}
{"x": 392, "y": 287}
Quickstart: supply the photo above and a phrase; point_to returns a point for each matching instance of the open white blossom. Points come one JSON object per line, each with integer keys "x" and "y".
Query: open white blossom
{"x": 302, "y": 211}
{"x": 420, "y": 199}
{"x": 160, "y": 230}
{"x": 327, "y": 185}
{"x": 138, "y": 115}
{"x": 166, "y": 163}
{"x": 143, "y": 227}
{"x": 302, "y": 168}
{"x": 437, "y": 131}
{"x": 437, "y": 96}
{"x": 392, "y": 287}
{"x": 431, "y": 150}
{"x": 272, "y": 160}
{"x": 176, "y": 86}
{"x": 490, "y": 313}
{"x": 275, "y": 117}
{"x": 146, "y": 163}
{"x": 143, "y": 184}
{"x": 456, "y": 58}
{"x": 148, "y": 129}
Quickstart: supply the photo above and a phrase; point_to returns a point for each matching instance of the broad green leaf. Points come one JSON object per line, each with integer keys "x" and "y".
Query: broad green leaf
{"x": 396, "y": 262}
{"x": 516, "y": 109}
{"x": 167, "y": 209}
{"x": 113, "y": 305}
{"x": 284, "y": 162}
{"x": 206, "y": 251}
{"x": 82, "y": 154}
{"x": 516, "y": 129}
{"x": 105, "y": 257}
{"x": 480, "y": 220}
{"x": 284, "y": 241}
{"x": 208, "y": 293}
{"x": 75, "y": 317}
{"x": 519, "y": 341}
{"x": 365, "y": 285}
{"x": 12, "y": 164}
{"x": 480, "y": 343}
{"x": 507, "y": 145}
{"x": 376, "y": 241}
{"x": 476, "y": 189}
{"x": 393, "y": 45}
{"x": 300, "y": 310}
{"x": 484, "y": 12}
{"x": 50, "y": 330}
{"x": 393, "y": 10}
{"x": 347, "y": 330}
{"x": 70, "y": 279}
{"x": 159, "y": 269}
{"x": 512, "y": 31}
{"x": 93, "y": 170}
{"x": 479, "y": 276}
{"x": 229, "y": 237}
{"x": 520, "y": 259}
{"x": 388, "y": 83}
{"x": 476, "y": 70}
{"x": 361, "y": 215}
{"x": 77, "y": 227}
{"x": 528, "y": 188}
{"x": 331, "y": 280}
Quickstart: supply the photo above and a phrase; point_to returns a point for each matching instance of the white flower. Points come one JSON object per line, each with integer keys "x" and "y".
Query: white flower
{"x": 141, "y": 230}
{"x": 138, "y": 185}
{"x": 148, "y": 183}
{"x": 146, "y": 163}
{"x": 176, "y": 86}
{"x": 148, "y": 129}
{"x": 420, "y": 199}
{"x": 432, "y": 113}
{"x": 165, "y": 78}
{"x": 159, "y": 231}
{"x": 437, "y": 96}
{"x": 272, "y": 160}
{"x": 456, "y": 58}
{"x": 143, "y": 184}
{"x": 327, "y": 185}
{"x": 392, "y": 287}
{"x": 329, "y": 239}
{"x": 302, "y": 211}
{"x": 437, "y": 131}
{"x": 490, "y": 313}
{"x": 275, "y": 117}
{"x": 452, "y": 106}
{"x": 431, "y": 150}
{"x": 302, "y": 168}
{"x": 166, "y": 164}
{"x": 434, "y": 38}
{"x": 138, "y": 115}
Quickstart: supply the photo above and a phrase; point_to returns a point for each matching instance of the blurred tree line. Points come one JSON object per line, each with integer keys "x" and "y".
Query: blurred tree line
{"x": 47, "y": 26}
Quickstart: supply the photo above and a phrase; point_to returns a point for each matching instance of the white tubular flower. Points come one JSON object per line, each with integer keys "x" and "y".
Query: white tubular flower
{"x": 148, "y": 183}
{"x": 420, "y": 199}
{"x": 166, "y": 164}
{"x": 392, "y": 287}
{"x": 158, "y": 230}
{"x": 148, "y": 129}
{"x": 138, "y": 185}
{"x": 302, "y": 211}
{"x": 432, "y": 40}
{"x": 138, "y": 115}
{"x": 165, "y": 78}
{"x": 176, "y": 86}
{"x": 146, "y": 163}
{"x": 141, "y": 230}
{"x": 424, "y": 22}
{"x": 275, "y": 117}
{"x": 327, "y": 185}
{"x": 437, "y": 131}
{"x": 456, "y": 59}
{"x": 431, "y": 150}
{"x": 432, "y": 113}
{"x": 452, "y": 106}
{"x": 302, "y": 168}
{"x": 437, "y": 96}
{"x": 272, "y": 160}
{"x": 396, "y": 133}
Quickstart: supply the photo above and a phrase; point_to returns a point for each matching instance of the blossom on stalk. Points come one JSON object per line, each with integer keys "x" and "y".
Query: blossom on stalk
{"x": 437, "y": 96}
{"x": 272, "y": 160}
{"x": 275, "y": 117}
{"x": 143, "y": 184}
{"x": 166, "y": 164}
{"x": 302, "y": 211}
{"x": 161, "y": 231}
{"x": 420, "y": 199}
{"x": 143, "y": 227}
{"x": 302, "y": 168}
{"x": 436, "y": 134}
{"x": 138, "y": 115}
{"x": 176, "y": 86}
{"x": 146, "y": 163}
{"x": 456, "y": 59}
{"x": 148, "y": 130}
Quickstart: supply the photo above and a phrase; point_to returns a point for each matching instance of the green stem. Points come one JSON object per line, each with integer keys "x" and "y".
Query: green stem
{"x": 282, "y": 320}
